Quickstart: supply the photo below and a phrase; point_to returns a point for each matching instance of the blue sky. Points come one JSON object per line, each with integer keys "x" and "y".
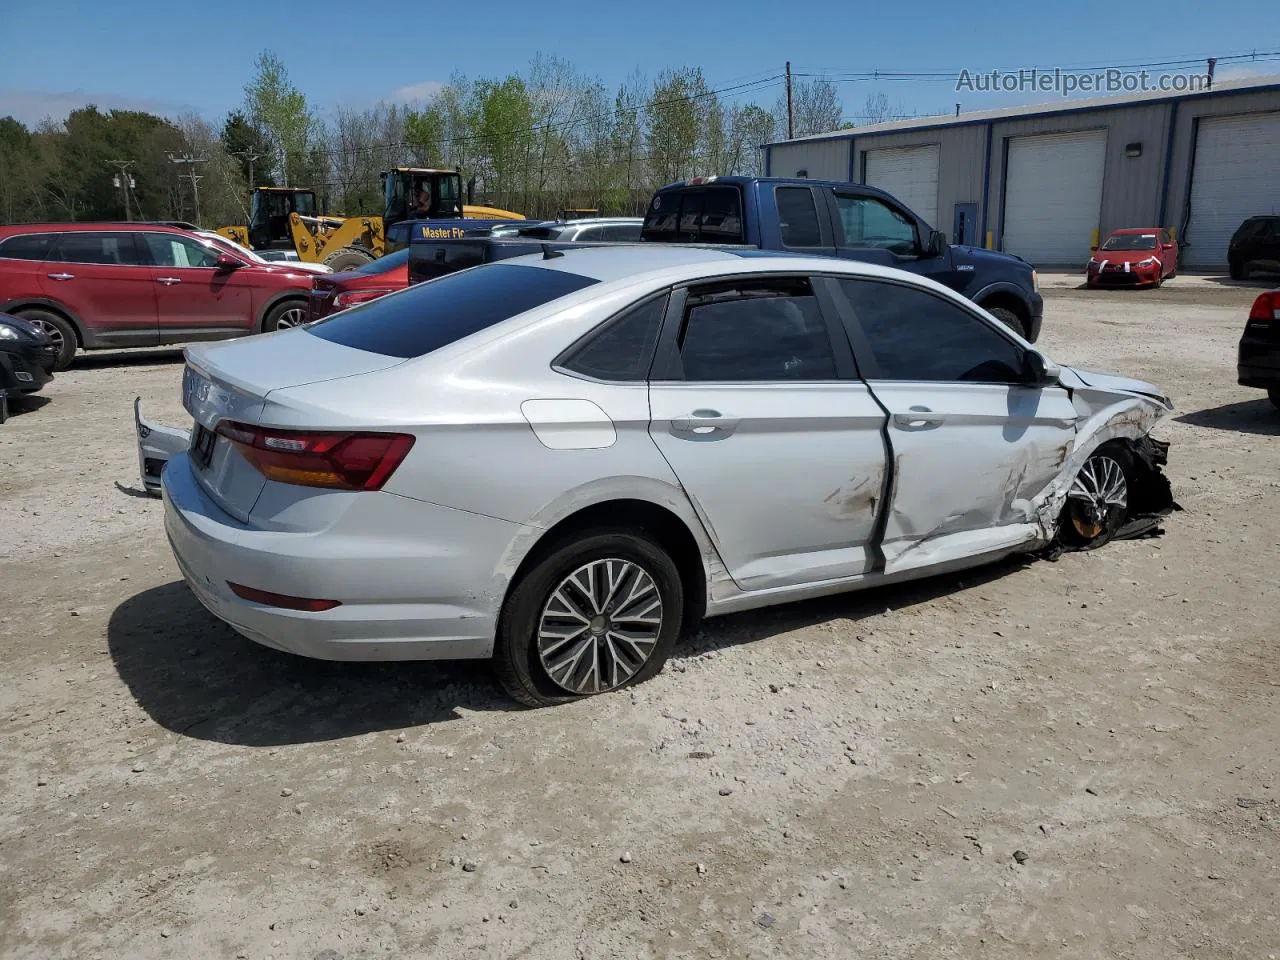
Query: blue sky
{"x": 177, "y": 55}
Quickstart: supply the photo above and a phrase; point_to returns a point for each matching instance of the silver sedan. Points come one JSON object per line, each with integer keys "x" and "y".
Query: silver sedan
{"x": 562, "y": 462}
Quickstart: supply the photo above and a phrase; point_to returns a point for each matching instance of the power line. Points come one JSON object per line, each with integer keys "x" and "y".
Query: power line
{"x": 194, "y": 177}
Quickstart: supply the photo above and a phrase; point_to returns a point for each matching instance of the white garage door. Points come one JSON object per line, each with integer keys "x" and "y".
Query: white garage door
{"x": 1236, "y": 175}
{"x": 910, "y": 174}
{"x": 1053, "y": 196}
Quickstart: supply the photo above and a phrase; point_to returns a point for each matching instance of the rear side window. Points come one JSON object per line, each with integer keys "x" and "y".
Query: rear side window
{"x": 695, "y": 215}
{"x": 431, "y": 315}
{"x": 97, "y": 247}
{"x": 758, "y": 330}
{"x": 798, "y": 217}
{"x": 622, "y": 349}
{"x": 28, "y": 246}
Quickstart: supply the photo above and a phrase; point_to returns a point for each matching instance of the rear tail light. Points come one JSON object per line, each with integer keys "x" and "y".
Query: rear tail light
{"x": 1266, "y": 309}
{"x": 284, "y": 601}
{"x": 339, "y": 461}
{"x": 353, "y": 297}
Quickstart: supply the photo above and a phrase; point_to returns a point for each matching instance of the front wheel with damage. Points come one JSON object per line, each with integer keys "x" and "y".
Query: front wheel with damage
{"x": 1098, "y": 499}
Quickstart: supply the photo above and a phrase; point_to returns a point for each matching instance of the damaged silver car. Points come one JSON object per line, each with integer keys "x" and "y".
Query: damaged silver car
{"x": 561, "y": 462}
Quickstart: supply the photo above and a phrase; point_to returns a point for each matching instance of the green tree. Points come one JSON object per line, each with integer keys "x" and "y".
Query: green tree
{"x": 276, "y": 107}
{"x": 251, "y": 148}
{"x": 673, "y": 115}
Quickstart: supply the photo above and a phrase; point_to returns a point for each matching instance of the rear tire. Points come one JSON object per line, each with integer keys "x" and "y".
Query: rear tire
{"x": 348, "y": 258}
{"x": 1237, "y": 270}
{"x": 1098, "y": 498}
{"x": 1273, "y": 394}
{"x": 1009, "y": 319}
{"x": 558, "y": 642}
{"x": 290, "y": 313}
{"x": 60, "y": 331}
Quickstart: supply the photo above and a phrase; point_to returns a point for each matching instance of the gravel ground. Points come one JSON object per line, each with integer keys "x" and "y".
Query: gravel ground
{"x": 1031, "y": 760}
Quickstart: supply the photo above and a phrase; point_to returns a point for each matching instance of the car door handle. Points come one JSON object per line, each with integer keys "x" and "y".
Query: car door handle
{"x": 62, "y": 276}
{"x": 168, "y": 281}
{"x": 918, "y": 418}
{"x": 705, "y": 425}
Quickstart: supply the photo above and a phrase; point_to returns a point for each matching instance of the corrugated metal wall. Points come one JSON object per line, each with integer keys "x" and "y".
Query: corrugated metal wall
{"x": 823, "y": 159}
{"x": 961, "y": 153}
{"x": 1132, "y": 186}
{"x": 1182, "y": 168}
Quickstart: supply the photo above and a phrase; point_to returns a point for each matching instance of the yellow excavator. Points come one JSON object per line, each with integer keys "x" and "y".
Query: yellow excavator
{"x": 285, "y": 218}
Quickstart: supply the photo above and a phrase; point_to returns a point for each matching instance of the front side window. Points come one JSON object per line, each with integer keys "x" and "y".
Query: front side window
{"x": 622, "y": 349}
{"x": 28, "y": 246}
{"x": 107, "y": 248}
{"x": 869, "y": 222}
{"x": 915, "y": 335}
{"x": 755, "y": 330}
{"x": 168, "y": 250}
{"x": 431, "y": 315}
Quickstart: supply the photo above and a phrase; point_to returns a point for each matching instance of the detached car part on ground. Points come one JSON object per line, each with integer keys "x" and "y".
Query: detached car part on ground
{"x": 1259, "y": 355}
{"x": 562, "y": 462}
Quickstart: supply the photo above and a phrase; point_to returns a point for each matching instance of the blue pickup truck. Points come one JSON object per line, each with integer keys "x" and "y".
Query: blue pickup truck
{"x": 848, "y": 220}
{"x": 814, "y": 217}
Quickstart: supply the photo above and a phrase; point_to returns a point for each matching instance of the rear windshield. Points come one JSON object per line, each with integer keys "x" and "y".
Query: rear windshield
{"x": 695, "y": 215}
{"x": 431, "y": 315}
{"x": 383, "y": 264}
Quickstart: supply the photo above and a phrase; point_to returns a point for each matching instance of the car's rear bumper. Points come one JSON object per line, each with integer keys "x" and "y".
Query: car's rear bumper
{"x": 424, "y": 587}
{"x": 1259, "y": 361}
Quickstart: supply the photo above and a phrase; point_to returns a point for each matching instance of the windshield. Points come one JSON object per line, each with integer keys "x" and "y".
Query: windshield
{"x": 1130, "y": 241}
{"x": 431, "y": 315}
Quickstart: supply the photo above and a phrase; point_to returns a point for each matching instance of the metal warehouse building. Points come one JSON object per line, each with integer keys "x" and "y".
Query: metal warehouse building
{"x": 1038, "y": 181}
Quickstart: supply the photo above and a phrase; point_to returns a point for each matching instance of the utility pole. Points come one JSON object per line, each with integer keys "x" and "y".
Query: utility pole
{"x": 791, "y": 113}
{"x": 1213, "y": 62}
{"x": 194, "y": 177}
{"x": 123, "y": 180}
{"x": 248, "y": 158}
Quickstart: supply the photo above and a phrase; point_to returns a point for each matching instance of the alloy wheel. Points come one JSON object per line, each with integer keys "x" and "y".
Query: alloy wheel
{"x": 293, "y": 317}
{"x": 1098, "y": 491}
{"x": 600, "y": 626}
{"x": 51, "y": 331}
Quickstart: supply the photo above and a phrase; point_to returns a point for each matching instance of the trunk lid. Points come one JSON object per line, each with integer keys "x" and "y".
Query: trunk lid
{"x": 231, "y": 381}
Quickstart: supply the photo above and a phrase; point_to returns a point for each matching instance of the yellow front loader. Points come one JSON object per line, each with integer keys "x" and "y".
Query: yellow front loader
{"x": 285, "y": 218}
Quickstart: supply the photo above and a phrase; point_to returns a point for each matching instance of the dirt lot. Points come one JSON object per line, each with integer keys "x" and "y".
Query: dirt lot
{"x": 843, "y": 778}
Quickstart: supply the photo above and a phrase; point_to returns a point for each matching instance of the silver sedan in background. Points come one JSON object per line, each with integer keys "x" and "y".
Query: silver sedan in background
{"x": 563, "y": 461}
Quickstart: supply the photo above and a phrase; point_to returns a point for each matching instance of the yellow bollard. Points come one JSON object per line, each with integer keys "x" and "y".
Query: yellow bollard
{"x": 991, "y": 239}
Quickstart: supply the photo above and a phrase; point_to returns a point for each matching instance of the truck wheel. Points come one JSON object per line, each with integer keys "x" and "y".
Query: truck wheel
{"x": 348, "y": 258}
{"x": 1009, "y": 319}
{"x": 60, "y": 332}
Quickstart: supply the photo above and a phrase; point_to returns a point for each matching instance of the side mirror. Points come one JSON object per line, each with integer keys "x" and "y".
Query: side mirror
{"x": 1038, "y": 370}
{"x": 937, "y": 243}
{"x": 227, "y": 262}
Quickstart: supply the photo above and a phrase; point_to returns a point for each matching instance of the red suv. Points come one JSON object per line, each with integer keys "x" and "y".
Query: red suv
{"x": 104, "y": 285}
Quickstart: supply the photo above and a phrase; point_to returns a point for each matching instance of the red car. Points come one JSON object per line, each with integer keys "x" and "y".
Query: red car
{"x": 1133, "y": 257}
{"x": 106, "y": 285}
{"x": 337, "y": 291}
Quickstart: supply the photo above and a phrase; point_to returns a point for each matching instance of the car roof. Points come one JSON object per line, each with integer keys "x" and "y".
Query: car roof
{"x": 1136, "y": 230}
{"x": 115, "y": 226}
